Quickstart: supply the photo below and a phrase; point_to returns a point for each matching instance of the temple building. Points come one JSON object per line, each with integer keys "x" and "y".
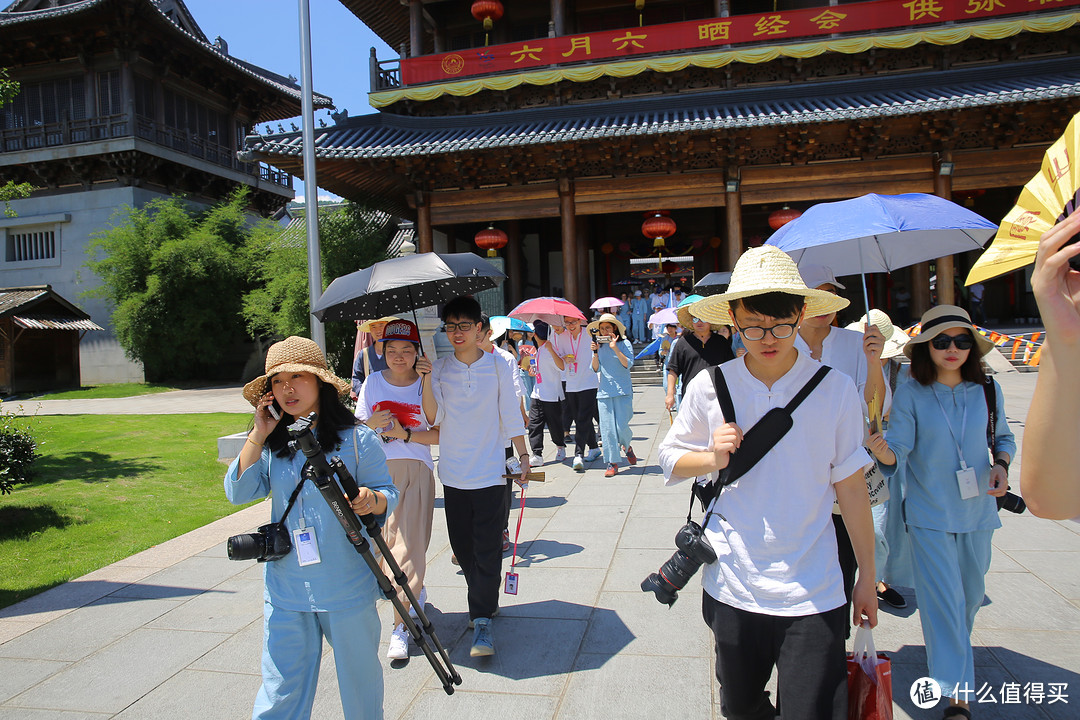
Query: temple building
{"x": 569, "y": 125}
{"x": 121, "y": 102}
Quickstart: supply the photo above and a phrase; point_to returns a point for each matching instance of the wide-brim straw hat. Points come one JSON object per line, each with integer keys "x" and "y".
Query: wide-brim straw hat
{"x": 293, "y": 354}
{"x": 762, "y": 270}
{"x": 366, "y": 326}
{"x": 938, "y": 319}
{"x": 594, "y": 326}
{"x": 895, "y": 338}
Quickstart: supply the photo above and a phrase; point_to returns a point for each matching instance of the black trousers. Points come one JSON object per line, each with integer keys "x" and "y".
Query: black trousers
{"x": 474, "y": 523}
{"x": 848, "y": 564}
{"x": 807, "y": 651}
{"x": 545, "y": 413}
{"x": 582, "y": 405}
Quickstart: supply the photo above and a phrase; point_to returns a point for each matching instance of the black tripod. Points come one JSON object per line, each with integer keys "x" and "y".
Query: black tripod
{"x": 321, "y": 473}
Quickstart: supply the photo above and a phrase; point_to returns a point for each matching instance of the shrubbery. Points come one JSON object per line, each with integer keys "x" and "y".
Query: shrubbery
{"x": 18, "y": 450}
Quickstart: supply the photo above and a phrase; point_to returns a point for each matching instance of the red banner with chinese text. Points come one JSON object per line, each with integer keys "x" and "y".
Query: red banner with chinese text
{"x": 715, "y": 33}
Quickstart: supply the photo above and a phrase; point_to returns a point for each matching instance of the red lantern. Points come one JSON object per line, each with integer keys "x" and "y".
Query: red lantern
{"x": 715, "y": 242}
{"x": 491, "y": 239}
{"x": 658, "y": 227}
{"x": 487, "y": 11}
{"x": 607, "y": 248}
{"x": 782, "y": 217}
{"x": 968, "y": 196}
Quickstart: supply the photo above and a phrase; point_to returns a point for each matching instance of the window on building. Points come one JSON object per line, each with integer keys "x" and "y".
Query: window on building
{"x": 184, "y": 113}
{"x": 108, "y": 85}
{"x": 144, "y": 98}
{"x": 29, "y": 244}
{"x": 45, "y": 102}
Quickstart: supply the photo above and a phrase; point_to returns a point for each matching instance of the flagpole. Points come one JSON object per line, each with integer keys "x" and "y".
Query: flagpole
{"x": 311, "y": 189}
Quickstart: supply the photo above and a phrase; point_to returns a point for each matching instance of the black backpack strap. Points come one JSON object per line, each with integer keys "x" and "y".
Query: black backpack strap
{"x": 991, "y": 412}
{"x": 723, "y": 395}
{"x": 807, "y": 389}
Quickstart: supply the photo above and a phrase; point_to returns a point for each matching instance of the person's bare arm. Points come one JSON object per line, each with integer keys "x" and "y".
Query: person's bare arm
{"x": 1050, "y": 473}
{"x": 854, "y": 503}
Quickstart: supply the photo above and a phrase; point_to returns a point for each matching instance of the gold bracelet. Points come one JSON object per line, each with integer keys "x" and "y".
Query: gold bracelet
{"x": 256, "y": 444}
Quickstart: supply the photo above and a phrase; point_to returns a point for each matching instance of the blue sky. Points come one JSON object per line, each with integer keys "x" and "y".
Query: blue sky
{"x": 267, "y": 33}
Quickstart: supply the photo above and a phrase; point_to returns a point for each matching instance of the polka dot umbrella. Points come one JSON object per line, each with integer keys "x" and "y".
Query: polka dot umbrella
{"x": 405, "y": 283}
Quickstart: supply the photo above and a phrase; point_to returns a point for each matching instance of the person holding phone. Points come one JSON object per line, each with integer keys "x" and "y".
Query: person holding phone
{"x": 322, "y": 588}
{"x": 399, "y": 404}
{"x": 613, "y": 356}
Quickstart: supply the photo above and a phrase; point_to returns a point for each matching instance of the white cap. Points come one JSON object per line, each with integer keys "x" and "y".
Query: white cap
{"x": 817, "y": 275}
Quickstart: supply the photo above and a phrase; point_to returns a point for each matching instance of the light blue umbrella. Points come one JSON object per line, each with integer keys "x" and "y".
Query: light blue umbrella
{"x": 881, "y": 233}
{"x": 650, "y": 349}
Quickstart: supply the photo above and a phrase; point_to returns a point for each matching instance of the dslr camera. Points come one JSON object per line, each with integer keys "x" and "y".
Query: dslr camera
{"x": 694, "y": 551}
{"x": 269, "y": 542}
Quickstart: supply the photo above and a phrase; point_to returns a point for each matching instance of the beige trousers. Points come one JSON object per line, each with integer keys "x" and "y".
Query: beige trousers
{"x": 408, "y": 529}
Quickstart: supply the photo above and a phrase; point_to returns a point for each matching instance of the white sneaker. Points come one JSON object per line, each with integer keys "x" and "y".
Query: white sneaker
{"x": 578, "y": 465}
{"x": 399, "y": 644}
{"x": 560, "y": 454}
{"x": 513, "y": 466}
{"x": 536, "y": 461}
{"x": 592, "y": 454}
{"x": 422, "y": 600}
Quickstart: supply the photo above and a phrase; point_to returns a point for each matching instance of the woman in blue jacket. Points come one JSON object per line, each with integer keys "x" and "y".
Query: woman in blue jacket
{"x": 938, "y": 433}
{"x": 613, "y": 355}
{"x": 321, "y": 587}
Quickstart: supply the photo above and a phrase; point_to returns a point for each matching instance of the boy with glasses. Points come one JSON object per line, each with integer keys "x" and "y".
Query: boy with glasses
{"x": 775, "y": 597}
{"x": 478, "y": 410}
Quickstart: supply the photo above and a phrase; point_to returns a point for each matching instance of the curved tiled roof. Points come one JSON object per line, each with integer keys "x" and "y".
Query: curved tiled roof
{"x": 385, "y": 135}
{"x": 266, "y": 77}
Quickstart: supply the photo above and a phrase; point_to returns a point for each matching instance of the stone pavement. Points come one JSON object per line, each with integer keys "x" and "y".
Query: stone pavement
{"x": 176, "y": 630}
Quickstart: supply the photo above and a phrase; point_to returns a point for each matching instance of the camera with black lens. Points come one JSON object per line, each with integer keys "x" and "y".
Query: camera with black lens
{"x": 694, "y": 551}
{"x": 269, "y": 542}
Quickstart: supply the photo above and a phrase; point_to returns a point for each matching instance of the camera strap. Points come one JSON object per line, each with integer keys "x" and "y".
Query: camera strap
{"x": 292, "y": 499}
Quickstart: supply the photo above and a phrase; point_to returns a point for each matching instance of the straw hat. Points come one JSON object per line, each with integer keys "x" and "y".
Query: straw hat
{"x": 895, "y": 338}
{"x": 594, "y": 326}
{"x": 763, "y": 270}
{"x": 366, "y": 326}
{"x": 293, "y": 354}
{"x": 945, "y": 317}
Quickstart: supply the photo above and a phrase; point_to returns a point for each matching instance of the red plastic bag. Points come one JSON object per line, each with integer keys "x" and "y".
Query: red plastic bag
{"x": 869, "y": 680}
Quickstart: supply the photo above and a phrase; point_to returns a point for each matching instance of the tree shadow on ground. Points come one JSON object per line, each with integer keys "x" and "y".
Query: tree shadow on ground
{"x": 18, "y": 522}
{"x": 90, "y": 467}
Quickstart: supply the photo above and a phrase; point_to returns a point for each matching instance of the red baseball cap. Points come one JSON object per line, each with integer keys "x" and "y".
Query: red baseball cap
{"x": 401, "y": 330}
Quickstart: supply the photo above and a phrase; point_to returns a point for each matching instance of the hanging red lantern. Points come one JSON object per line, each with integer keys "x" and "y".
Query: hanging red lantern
{"x": 624, "y": 247}
{"x": 607, "y": 248}
{"x": 491, "y": 239}
{"x": 968, "y": 196}
{"x": 487, "y": 11}
{"x": 780, "y": 218}
{"x": 658, "y": 226}
{"x": 715, "y": 242}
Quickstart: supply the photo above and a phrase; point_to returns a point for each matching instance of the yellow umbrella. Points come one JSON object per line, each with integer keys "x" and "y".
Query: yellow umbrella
{"x": 1049, "y": 197}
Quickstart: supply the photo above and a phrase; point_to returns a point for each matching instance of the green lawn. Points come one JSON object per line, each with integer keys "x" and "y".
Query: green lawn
{"x": 117, "y": 390}
{"x": 108, "y": 487}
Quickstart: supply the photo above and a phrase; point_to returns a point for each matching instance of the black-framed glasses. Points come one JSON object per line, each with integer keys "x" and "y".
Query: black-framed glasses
{"x": 780, "y": 332}
{"x": 462, "y": 326}
{"x": 962, "y": 342}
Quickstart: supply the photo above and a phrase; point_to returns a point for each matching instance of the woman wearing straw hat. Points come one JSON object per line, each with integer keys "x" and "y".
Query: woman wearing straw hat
{"x": 937, "y": 433}
{"x": 774, "y": 598}
{"x": 330, "y": 593}
{"x": 613, "y": 355}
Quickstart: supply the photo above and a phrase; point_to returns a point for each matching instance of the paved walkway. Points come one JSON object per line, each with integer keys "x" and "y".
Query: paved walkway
{"x": 175, "y": 631}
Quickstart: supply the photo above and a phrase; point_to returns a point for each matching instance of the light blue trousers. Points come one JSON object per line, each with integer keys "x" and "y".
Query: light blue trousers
{"x": 640, "y": 328}
{"x": 615, "y": 414}
{"x": 292, "y": 650}
{"x": 950, "y": 571}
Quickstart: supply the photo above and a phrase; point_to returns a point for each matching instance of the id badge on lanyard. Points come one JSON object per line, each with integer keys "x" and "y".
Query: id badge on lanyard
{"x": 967, "y": 481}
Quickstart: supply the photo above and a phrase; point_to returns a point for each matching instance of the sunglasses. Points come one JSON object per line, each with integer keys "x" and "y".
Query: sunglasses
{"x": 962, "y": 342}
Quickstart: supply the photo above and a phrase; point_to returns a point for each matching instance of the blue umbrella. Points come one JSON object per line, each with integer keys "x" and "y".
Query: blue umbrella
{"x": 881, "y": 233}
{"x": 650, "y": 349}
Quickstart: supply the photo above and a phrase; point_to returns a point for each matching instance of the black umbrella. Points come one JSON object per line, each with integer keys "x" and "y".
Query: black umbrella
{"x": 713, "y": 283}
{"x": 405, "y": 283}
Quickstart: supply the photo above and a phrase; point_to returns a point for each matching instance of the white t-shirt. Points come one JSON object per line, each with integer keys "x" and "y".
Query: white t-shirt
{"x": 578, "y": 374}
{"x": 776, "y": 549}
{"x": 405, "y": 403}
{"x": 843, "y": 349}
{"x": 478, "y": 410}
{"x": 548, "y": 387}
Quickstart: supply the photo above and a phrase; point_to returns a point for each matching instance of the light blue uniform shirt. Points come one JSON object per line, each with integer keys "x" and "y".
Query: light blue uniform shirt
{"x": 614, "y": 378}
{"x": 920, "y": 436}
{"x": 341, "y": 580}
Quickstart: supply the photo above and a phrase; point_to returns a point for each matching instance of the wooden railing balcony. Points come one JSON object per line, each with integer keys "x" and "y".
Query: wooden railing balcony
{"x": 111, "y": 127}
{"x": 737, "y": 32}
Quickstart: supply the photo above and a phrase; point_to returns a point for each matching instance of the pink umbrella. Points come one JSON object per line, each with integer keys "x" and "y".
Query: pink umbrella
{"x": 606, "y": 302}
{"x": 667, "y": 316}
{"x": 549, "y": 309}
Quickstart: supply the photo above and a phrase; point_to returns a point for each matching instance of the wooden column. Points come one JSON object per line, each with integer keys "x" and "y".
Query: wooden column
{"x": 569, "y": 240}
{"x": 946, "y": 294}
{"x": 515, "y": 281}
{"x": 416, "y": 28}
{"x": 424, "y": 241}
{"x": 584, "y": 240}
{"x": 733, "y": 244}
{"x": 558, "y": 16}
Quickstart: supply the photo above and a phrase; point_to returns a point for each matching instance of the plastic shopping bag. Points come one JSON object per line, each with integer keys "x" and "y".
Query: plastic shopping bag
{"x": 869, "y": 676}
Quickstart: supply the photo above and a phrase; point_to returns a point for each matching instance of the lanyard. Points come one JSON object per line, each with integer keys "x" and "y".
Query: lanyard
{"x": 963, "y": 427}
{"x": 574, "y": 348}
